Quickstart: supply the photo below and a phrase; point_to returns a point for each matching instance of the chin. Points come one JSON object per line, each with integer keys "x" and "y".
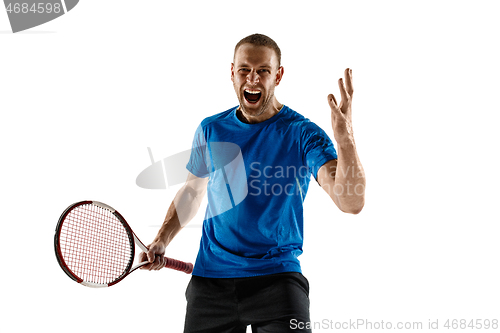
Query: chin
{"x": 252, "y": 110}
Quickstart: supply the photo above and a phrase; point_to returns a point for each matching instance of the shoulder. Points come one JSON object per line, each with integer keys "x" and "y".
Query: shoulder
{"x": 303, "y": 124}
{"x": 222, "y": 116}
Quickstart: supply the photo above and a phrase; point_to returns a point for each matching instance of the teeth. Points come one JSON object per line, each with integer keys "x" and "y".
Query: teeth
{"x": 252, "y": 91}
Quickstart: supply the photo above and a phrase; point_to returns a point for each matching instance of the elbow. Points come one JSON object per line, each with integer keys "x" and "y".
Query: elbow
{"x": 353, "y": 208}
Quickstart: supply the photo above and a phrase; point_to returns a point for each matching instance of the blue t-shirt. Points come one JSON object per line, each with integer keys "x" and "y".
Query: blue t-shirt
{"x": 259, "y": 176}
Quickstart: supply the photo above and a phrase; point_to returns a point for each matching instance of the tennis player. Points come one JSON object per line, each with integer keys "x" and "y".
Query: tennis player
{"x": 247, "y": 271}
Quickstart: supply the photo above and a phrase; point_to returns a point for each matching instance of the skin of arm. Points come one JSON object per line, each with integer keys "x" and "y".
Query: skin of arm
{"x": 344, "y": 179}
{"x": 182, "y": 209}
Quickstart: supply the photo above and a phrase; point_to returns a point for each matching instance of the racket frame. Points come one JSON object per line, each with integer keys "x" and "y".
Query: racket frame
{"x": 131, "y": 235}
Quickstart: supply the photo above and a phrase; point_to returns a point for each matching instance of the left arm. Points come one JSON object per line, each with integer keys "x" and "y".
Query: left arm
{"x": 344, "y": 179}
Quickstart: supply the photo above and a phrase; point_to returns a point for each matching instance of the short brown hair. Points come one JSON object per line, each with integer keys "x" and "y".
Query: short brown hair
{"x": 260, "y": 40}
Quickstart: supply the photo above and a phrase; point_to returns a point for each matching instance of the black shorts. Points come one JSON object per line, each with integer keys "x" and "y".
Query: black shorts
{"x": 270, "y": 303}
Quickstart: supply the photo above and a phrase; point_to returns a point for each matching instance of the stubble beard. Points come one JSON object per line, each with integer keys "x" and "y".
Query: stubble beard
{"x": 263, "y": 108}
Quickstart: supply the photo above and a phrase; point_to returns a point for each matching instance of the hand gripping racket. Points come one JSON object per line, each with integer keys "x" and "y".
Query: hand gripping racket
{"x": 95, "y": 246}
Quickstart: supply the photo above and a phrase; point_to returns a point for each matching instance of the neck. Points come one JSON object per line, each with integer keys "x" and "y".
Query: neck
{"x": 271, "y": 111}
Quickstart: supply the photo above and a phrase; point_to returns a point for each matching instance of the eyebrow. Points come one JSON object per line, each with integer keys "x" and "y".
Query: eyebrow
{"x": 247, "y": 65}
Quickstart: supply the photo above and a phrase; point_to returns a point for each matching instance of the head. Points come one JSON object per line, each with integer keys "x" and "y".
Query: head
{"x": 256, "y": 71}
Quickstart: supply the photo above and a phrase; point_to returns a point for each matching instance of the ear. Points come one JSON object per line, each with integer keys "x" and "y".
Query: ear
{"x": 232, "y": 72}
{"x": 279, "y": 75}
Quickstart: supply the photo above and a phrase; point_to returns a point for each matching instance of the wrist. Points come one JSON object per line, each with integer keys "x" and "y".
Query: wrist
{"x": 161, "y": 239}
{"x": 166, "y": 233}
{"x": 346, "y": 143}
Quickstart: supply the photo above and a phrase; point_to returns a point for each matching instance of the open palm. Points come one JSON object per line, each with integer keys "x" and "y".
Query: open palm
{"x": 342, "y": 113}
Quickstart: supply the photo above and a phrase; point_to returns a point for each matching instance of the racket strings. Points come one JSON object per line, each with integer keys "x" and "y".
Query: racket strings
{"x": 95, "y": 245}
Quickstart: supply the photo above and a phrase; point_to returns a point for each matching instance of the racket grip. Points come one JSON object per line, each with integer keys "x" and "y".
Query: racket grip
{"x": 182, "y": 266}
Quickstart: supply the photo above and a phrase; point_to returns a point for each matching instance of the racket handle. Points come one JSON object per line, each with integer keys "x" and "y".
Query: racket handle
{"x": 182, "y": 266}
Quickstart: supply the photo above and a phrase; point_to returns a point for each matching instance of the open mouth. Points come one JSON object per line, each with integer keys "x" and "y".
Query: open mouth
{"x": 252, "y": 96}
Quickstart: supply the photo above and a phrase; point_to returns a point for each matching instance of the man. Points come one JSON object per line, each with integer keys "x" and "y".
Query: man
{"x": 247, "y": 271}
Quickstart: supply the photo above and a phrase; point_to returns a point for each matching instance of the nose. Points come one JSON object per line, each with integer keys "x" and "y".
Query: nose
{"x": 253, "y": 77}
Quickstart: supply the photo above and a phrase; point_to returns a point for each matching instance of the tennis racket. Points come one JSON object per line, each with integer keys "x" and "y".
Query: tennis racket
{"x": 95, "y": 246}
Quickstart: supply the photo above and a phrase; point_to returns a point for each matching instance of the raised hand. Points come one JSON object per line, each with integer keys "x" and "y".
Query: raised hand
{"x": 342, "y": 113}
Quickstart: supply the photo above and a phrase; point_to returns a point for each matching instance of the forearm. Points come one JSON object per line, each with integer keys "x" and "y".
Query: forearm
{"x": 182, "y": 210}
{"x": 350, "y": 182}
{"x": 348, "y": 178}
{"x": 170, "y": 227}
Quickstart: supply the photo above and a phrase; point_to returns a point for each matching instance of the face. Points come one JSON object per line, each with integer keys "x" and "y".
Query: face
{"x": 255, "y": 74}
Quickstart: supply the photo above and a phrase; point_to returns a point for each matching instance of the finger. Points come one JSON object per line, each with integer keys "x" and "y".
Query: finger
{"x": 151, "y": 256}
{"x": 333, "y": 104}
{"x": 161, "y": 262}
{"x": 343, "y": 91}
{"x": 152, "y": 266}
{"x": 158, "y": 263}
{"x": 147, "y": 267}
{"x": 332, "y": 101}
{"x": 142, "y": 258}
{"x": 348, "y": 81}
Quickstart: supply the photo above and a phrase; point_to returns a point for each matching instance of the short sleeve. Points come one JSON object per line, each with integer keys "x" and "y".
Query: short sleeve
{"x": 318, "y": 148}
{"x": 197, "y": 164}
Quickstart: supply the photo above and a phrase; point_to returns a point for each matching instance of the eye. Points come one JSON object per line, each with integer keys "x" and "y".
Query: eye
{"x": 265, "y": 71}
{"x": 244, "y": 70}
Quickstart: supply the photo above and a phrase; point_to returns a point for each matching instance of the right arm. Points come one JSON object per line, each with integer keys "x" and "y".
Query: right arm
{"x": 182, "y": 209}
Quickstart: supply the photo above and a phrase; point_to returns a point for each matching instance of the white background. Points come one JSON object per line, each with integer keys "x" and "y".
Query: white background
{"x": 83, "y": 96}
